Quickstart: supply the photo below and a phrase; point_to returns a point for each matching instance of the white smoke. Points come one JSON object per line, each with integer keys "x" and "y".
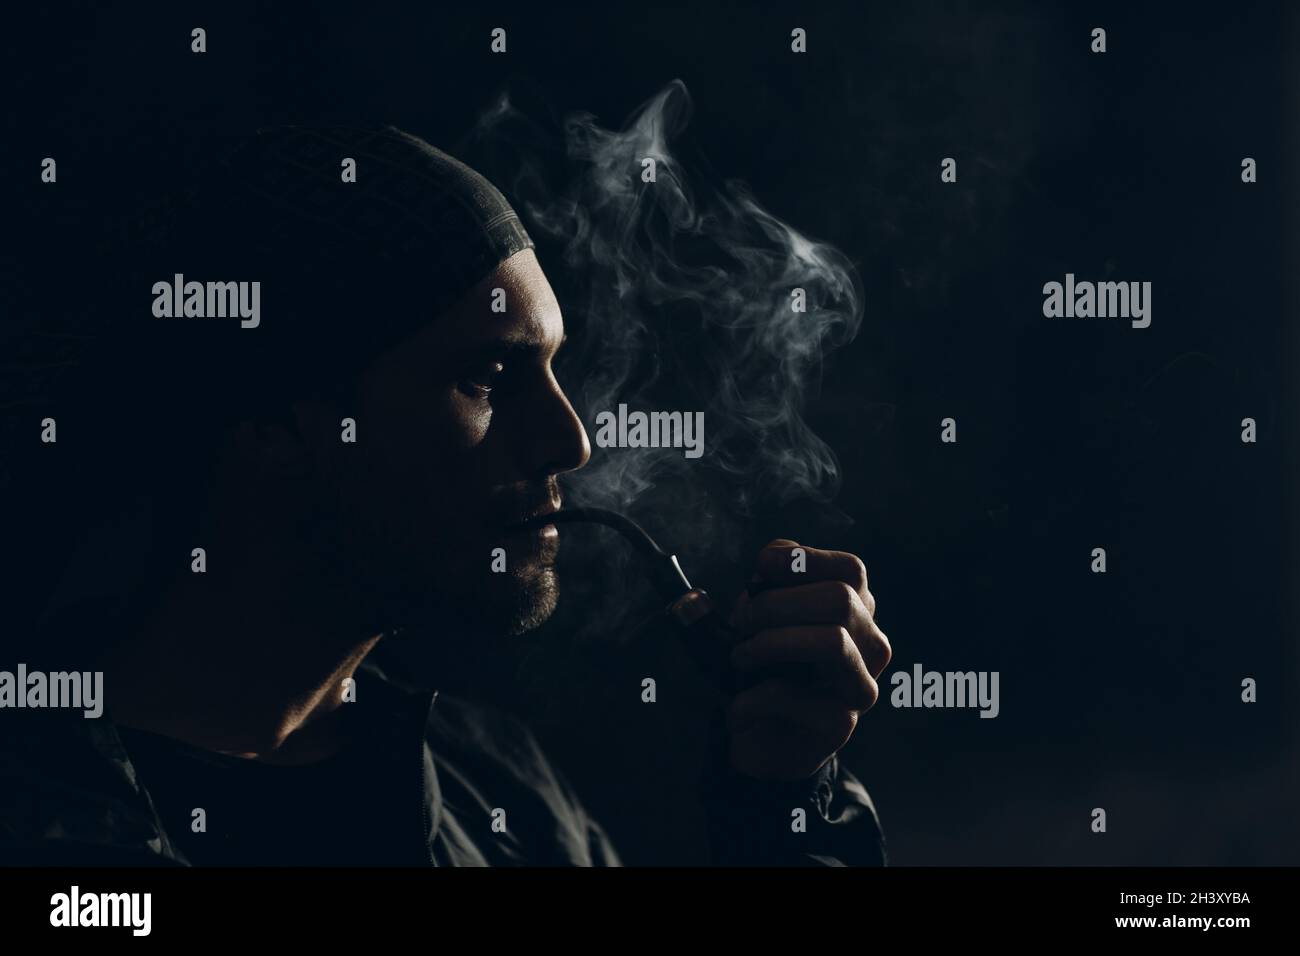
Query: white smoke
{"x": 681, "y": 289}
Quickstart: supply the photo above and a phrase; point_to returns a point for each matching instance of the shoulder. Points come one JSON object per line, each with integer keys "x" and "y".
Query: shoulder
{"x": 68, "y": 790}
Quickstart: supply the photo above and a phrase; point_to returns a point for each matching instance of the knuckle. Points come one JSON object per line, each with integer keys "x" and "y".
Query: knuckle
{"x": 886, "y": 649}
{"x": 777, "y": 546}
{"x": 845, "y": 644}
{"x": 870, "y": 694}
{"x": 844, "y": 600}
{"x": 857, "y": 574}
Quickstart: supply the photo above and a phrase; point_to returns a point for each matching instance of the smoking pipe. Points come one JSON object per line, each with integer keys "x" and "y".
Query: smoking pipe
{"x": 707, "y": 637}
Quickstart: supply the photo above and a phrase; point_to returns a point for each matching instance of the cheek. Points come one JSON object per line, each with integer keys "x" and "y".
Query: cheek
{"x": 420, "y": 436}
{"x": 466, "y": 420}
{"x": 424, "y": 459}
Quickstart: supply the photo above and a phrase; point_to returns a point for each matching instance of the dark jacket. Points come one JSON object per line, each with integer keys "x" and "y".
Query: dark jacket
{"x": 76, "y": 791}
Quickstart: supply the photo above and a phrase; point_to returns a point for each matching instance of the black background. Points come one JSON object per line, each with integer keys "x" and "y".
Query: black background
{"x": 1119, "y": 690}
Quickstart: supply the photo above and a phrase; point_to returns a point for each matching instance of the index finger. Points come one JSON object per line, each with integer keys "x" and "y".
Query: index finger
{"x": 783, "y": 563}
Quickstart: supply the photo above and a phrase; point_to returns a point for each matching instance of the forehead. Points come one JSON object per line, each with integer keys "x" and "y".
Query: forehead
{"x": 529, "y": 322}
{"x": 514, "y": 305}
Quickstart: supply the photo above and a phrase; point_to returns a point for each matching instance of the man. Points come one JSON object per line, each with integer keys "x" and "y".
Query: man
{"x": 380, "y": 429}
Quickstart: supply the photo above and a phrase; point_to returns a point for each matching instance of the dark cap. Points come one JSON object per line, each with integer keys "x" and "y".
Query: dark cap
{"x": 347, "y": 268}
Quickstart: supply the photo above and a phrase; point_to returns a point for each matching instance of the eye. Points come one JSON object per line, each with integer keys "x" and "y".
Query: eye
{"x": 479, "y": 382}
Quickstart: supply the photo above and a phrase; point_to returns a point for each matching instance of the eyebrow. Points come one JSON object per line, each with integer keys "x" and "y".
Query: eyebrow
{"x": 512, "y": 347}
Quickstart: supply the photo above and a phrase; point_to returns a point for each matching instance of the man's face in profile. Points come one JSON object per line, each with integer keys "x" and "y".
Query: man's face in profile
{"x": 461, "y": 430}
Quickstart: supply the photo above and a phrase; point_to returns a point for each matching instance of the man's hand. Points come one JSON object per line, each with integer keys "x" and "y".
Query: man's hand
{"x": 821, "y": 617}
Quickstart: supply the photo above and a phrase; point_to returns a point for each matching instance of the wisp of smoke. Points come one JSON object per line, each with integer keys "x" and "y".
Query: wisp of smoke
{"x": 684, "y": 292}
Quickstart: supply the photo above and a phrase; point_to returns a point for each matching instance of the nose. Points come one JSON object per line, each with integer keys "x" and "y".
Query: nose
{"x": 553, "y": 433}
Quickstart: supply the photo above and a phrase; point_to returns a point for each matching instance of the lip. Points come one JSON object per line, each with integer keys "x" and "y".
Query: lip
{"x": 533, "y": 529}
{"x": 535, "y": 524}
{"x": 532, "y": 540}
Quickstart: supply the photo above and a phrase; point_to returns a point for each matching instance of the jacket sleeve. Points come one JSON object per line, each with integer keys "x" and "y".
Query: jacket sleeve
{"x": 68, "y": 794}
{"x": 758, "y": 823}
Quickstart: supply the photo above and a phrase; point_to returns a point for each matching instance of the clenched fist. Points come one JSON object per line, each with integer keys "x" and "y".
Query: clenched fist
{"x": 821, "y": 617}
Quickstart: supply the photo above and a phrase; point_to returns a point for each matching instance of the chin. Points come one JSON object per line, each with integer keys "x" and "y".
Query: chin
{"x": 511, "y": 603}
{"x": 507, "y": 604}
{"x": 533, "y": 595}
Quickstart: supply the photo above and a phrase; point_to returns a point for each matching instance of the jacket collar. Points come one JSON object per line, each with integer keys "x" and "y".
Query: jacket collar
{"x": 92, "y": 793}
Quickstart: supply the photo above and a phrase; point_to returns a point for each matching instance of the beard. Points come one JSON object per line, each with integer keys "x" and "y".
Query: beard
{"x": 403, "y": 583}
{"x": 468, "y": 641}
{"x": 528, "y": 601}
{"x": 509, "y": 603}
